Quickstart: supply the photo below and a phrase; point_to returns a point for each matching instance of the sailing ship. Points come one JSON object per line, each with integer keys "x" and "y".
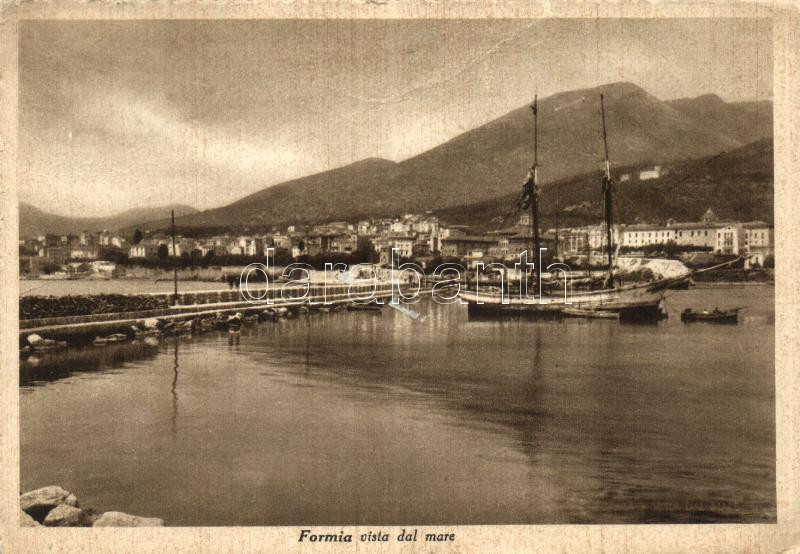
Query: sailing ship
{"x": 632, "y": 301}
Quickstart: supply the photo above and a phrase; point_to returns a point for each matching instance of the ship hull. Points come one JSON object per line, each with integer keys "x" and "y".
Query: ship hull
{"x": 641, "y": 301}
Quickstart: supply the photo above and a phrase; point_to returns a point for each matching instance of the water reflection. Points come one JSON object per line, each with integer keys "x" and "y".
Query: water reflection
{"x": 40, "y": 368}
{"x": 174, "y": 389}
{"x": 450, "y": 419}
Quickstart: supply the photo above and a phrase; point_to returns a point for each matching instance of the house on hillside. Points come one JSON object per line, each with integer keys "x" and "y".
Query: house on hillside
{"x": 649, "y": 174}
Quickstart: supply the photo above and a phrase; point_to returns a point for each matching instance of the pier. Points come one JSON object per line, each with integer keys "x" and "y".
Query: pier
{"x": 203, "y": 304}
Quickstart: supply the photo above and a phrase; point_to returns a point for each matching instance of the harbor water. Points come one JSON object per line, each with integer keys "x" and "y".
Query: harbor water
{"x": 378, "y": 418}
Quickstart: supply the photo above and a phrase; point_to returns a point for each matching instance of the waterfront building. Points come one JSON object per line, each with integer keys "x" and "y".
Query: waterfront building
{"x": 576, "y": 241}
{"x": 500, "y": 249}
{"x": 730, "y": 239}
{"x": 646, "y": 234}
{"x": 597, "y": 236}
{"x": 83, "y": 253}
{"x": 759, "y": 239}
{"x": 699, "y": 234}
{"x": 460, "y": 246}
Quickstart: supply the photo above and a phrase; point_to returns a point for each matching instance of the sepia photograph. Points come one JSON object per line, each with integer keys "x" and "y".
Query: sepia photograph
{"x": 370, "y": 280}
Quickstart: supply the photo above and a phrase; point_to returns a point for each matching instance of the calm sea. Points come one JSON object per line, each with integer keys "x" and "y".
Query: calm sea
{"x": 363, "y": 418}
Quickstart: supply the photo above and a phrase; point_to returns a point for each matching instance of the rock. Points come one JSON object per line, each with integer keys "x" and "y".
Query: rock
{"x": 27, "y": 521}
{"x": 64, "y": 516}
{"x": 120, "y": 519}
{"x": 89, "y": 517}
{"x": 150, "y": 324}
{"x": 39, "y": 502}
{"x": 38, "y": 343}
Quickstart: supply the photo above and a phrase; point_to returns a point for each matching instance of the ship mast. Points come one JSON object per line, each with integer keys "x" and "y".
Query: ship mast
{"x": 533, "y": 189}
{"x": 607, "y": 198}
{"x": 558, "y": 229}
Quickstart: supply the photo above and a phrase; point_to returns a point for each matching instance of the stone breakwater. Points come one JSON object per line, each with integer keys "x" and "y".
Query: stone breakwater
{"x": 36, "y": 307}
{"x": 54, "y": 507}
{"x": 54, "y": 332}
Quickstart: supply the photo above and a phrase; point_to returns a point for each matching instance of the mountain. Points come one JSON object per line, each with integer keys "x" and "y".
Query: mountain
{"x": 352, "y": 190}
{"x": 34, "y": 222}
{"x": 736, "y": 185}
{"x": 492, "y": 160}
{"x": 744, "y": 122}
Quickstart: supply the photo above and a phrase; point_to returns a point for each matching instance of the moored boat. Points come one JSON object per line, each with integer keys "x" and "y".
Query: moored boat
{"x": 370, "y": 307}
{"x": 590, "y": 314}
{"x": 716, "y": 315}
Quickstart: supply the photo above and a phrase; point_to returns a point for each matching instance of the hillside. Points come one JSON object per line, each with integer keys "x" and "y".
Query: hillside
{"x": 491, "y": 160}
{"x": 350, "y": 191}
{"x": 34, "y": 222}
{"x": 735, "y": 185}
{"x": 742, "y": 121}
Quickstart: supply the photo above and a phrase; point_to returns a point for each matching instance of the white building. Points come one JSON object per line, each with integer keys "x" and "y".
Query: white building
{"x": 645, "y": 234}
{"x": 759, "y": 240}
{"x": 654, "y": 173}
{"x": 730, "y": 239}
{"x": 695, "y": 234}
{"x": 598, "y": 238}
{"x": 140, "y": 250}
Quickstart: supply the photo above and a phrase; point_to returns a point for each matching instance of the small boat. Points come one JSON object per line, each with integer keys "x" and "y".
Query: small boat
{"x": 594, "y": 314}
{"x": 371, "y": 307}
{"x": 116, "y": 337}
{"x": 711, "y": 316}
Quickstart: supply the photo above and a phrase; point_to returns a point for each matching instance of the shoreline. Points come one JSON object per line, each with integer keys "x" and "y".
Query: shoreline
{"x": 52, "y": 506}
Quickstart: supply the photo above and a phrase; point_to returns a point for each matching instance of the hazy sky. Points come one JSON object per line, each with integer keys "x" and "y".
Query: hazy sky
{"x": 115, "y": 115}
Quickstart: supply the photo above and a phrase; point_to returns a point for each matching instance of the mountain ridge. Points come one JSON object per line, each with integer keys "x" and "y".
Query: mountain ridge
{"x": 34, "y": 221}
{"x": 491, "y": 160}
{"x": 736, "y": 185}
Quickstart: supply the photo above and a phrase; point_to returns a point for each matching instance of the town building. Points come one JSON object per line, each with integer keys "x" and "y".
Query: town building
{"x": 759, "y": 239}
{"x": 648, "y": 174}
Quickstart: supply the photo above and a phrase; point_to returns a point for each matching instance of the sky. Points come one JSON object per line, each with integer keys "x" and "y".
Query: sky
{"x": 127, "y": 114}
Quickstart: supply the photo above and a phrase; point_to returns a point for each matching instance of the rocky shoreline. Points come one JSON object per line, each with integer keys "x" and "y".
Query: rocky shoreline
{"x": 55, "y": 507}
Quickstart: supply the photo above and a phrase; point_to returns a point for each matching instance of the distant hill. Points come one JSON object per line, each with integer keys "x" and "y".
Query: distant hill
{"x": 351, "y": 191}
{"x": 744, "y": 122}
{"x": 736, "y": 185}
{"x": 492, "y": 160}
{"x": 34, "y": 222}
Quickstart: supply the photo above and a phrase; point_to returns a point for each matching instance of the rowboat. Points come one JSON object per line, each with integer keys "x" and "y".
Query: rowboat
{"x": 590, "y": 314}
{"x": 730, "y": 316}
{"x": 371, "y": 307}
